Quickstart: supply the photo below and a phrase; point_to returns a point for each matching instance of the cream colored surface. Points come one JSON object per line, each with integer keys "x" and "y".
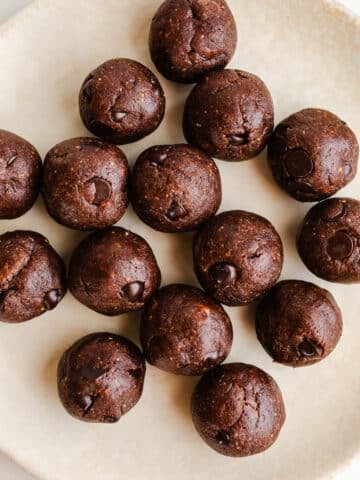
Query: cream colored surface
{"x": 308, "y": 54}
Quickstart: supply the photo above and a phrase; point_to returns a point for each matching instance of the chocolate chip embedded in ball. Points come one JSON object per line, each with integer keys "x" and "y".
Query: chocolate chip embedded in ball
{"x": 229, "y": 115}
{"x": 184, "y": 331}
{"x": 313, "y": 154}
{"x": 298, "y": 323}
{"x": 190, "y": 38}
{"x": 85, "y": 183}
{"x": 113, "y": 271}
{"x": 20, "y": 173}
{"x": 32, "y": 276}
{"x": 100, "y": 378}
{"x": 238, "y": 256}
{"x": 329, "y": 240}
{"x": 238, "y": 409}
{"x": 175, "y": 188}
{"x": 121, "y": 101}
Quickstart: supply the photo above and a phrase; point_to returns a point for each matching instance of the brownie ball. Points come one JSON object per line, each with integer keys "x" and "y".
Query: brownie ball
{"x": 329, "y": 240}
{"x": 184, "y": 331}
{"x": 32, "y": 276}
{"x": 298, "y": 323}
{"x": 230, "y": 115}
{"x": 85, "y": 183}
{"x": 113, "y": 271}
{"x": 189, "y": 38}
{"x": 238, "y": 256}
{"x": 313, "y": 154}
{"x": 101, "y": 377}
{"x": 175, "y": 188}
{"x": 121, "y": 101}
{"x": 20, "y": 173}
{"x": 238, "y": 409}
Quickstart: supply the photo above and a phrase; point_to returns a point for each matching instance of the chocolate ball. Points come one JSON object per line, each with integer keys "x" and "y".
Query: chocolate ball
{"x": 230, "y": 115}
{"x": 183, "y": 331}
{"x": 121, "y": 101}
{"x": 238, "y": 256}
{"x": 101, "y": 377}
{"x": 329, "y": 240}
{"x": 238, "y": 409}
{"x": 191, "y": 38}
{"x": 32, "y": 276}
{"x": 20, "y": 173}
{"x": 113, "y": 271}
{"x": 313, "y": 154}
{"x": 298, "y": 323}
{"x": 85, "y": 183}
{"x": 175, "y": 188}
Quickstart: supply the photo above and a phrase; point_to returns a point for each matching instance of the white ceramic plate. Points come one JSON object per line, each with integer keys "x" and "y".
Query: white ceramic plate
{"x": 308, "y": 54}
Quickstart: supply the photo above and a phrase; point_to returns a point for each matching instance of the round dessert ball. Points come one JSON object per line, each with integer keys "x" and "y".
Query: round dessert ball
{"x": 329, "y": 240}
{"x": 85, "y": 183}
{"x": 191, "y": 38}
{"x": 113, "y": 271}
{"x": 298, "y": 323}
{"x": 230, "y": 115}
{"x": 313, "y": 154}
{"x": 121, "y": 101}
{"x": 238, "y": 409}
{"x": 20, "y": 173}
{"x": 175, "y": 188}
{"x": 100, "y": 378}
{"x": 183, "y": 331}
{"x": 238, "y": 256}
{"x": 32, "y": 276}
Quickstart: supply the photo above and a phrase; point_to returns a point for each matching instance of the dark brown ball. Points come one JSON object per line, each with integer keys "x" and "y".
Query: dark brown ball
{"x": 121, "y": 101}
{"x": 238, "y": 256}
{"x": 313, "y": 154}
{"x": 238, "y": 409}
{"x": 230, "y": 115}
{"x": 113, "y": 271}
{"x": 184, "y": 331}
{"x": 175, "y": 188}
{"x": 298, "y": 323}
{"x": 329, "y": 240}
{"x": 32, "y": 276}
{"x": 189, "y": 38}
{"x": 85, "y": 183}
{"x": 20, "y": 173}
{"x": 101, "y": 377}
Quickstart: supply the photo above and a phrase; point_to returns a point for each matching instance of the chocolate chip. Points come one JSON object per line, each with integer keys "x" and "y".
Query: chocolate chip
{"x": 223, "y": 273}
{"x": 134, "y": 291}
{"x": 176, "y": 211}
{"x": 86, "y": 402}
{"x": 156, "y": 162}
{"x": 13, "y": 157}
{"x": 100, "y": 129}
{"x": 347, "y": 169}
{"x": 110, "y": 419}
{"x": 298, "y": 163}
{"x": 51, "y": 299}
{"x": 117, "y": 115}
{"x": 87, "y": 89}
{"x": 97, "y": 191}
{"x": 222, "y": 438}
{"x": 237, "y": 139}
{"x": 340, "y": 245}
{"x": 92, "y": 373}
{"x": 333, "y": 211}
{"x": 307, "y": 348}
{"x": 136, "y": 372}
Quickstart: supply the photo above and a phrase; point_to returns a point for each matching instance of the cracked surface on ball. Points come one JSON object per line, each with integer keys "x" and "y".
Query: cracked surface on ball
{"x": 100, "y": 378}
{"x": 238, "y": 409}
{"x": 189, "y": 38}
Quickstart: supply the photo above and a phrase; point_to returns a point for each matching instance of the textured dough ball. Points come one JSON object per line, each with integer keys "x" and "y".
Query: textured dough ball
{"x": 298, "y": 323}
{"x": 184, "y": 331}
{"x": 121, "y": 101}
{"x": 175, "y": 188}
{"x": 238, "y": 409}
{"x": 101, "y": 377}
